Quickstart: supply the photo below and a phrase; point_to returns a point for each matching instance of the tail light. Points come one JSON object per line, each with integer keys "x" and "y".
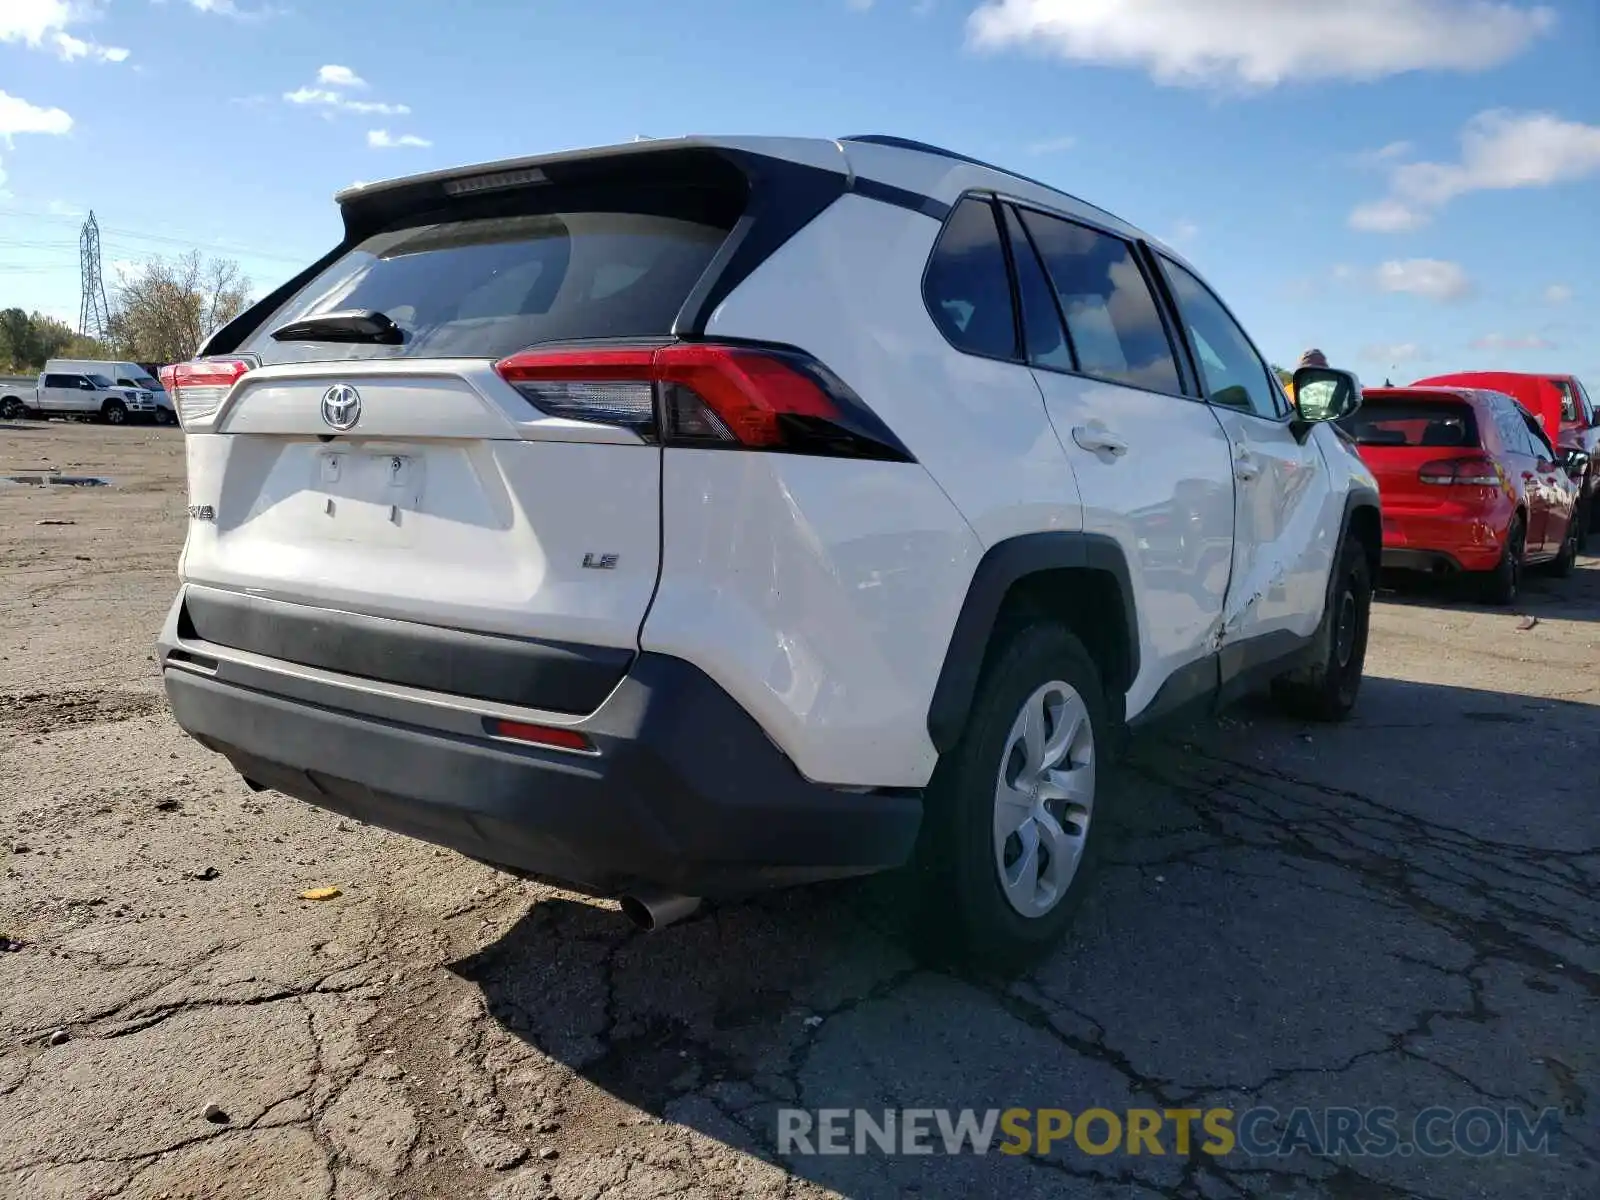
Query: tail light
{"x": 1472, "y": 472}
{"x": 707, "y": 395}
{"x": 198, "y": 388}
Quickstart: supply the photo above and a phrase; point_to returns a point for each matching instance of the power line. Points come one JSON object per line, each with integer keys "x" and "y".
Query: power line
{"x": 118, "y": 233}
{"x": 94, "y": 318}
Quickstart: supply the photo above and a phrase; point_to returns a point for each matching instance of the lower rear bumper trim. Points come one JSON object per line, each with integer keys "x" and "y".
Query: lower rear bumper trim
{"x": 687, "y": 793}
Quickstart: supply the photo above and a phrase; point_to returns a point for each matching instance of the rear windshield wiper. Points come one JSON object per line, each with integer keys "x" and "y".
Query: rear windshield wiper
{"x": 364, "y": 325}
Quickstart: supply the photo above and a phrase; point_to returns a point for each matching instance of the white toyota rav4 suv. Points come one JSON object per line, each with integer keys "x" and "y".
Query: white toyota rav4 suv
{"x": 696, "y": 516}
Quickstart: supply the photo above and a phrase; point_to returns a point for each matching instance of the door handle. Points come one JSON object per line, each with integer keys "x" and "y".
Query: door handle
{"x": 1099, "y": 439}
{"x": 1244, "y": 466}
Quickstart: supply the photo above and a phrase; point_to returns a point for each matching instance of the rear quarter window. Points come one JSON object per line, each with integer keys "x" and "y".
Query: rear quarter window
{"x": 487, "y": 288}
{"x": 967, "y": 287}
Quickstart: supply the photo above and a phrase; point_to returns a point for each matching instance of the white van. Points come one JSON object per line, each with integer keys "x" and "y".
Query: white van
{"x": 122, "y": 375}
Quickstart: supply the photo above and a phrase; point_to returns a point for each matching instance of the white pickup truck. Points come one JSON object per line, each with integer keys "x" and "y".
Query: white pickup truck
{"x": 74, "y": 395}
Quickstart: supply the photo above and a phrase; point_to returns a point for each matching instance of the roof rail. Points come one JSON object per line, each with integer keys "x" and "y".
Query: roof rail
{"x": 900, "y": 143}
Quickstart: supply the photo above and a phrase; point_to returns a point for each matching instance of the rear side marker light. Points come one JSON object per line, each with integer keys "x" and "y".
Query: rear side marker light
{"x": 550, "y": 736}
{"x": 1460, "y": 472}
{"x": 707, "y": 395}
{"x": 198, "y": 388}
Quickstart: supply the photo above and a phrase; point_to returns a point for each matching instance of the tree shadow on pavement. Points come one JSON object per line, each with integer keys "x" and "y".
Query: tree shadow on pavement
{"x": 1398, "y": 911}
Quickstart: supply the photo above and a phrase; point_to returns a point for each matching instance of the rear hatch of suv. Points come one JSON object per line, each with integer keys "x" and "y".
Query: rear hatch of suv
{"x": 374, "y": 492}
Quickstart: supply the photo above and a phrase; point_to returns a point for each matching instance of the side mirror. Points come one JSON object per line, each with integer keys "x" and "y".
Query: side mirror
{"x": 86, "y": 384}
{"x": 1576, "y": 462}
{"x": 1323, "y": 394}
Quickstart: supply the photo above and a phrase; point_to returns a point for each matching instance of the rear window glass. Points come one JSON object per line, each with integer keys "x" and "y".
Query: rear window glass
{"x": 490, "y": 287}
{"x": 1412, "y": 423}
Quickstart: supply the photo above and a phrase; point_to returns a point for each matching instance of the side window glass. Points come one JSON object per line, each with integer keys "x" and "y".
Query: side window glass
{"x": 1233, "y": 373}
{"x": 1512, "y": 432}
{"x": 1538, "y": 444}
{"x": 1112, "y": 319}
{"x": 967, "y": 289}
{"x": 1043, "y": 335}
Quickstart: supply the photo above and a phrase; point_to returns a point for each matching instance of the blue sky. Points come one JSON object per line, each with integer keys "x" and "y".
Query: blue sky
{"x": 1411, "y": 185}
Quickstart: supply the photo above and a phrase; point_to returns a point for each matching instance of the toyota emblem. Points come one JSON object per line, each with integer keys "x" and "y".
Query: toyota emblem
{"x": 341, "y": 406}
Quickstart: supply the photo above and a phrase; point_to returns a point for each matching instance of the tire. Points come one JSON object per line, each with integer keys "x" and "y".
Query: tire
{"x": 165, "y": 417}
{"x": 1502, "y": 585}
{"x": 12, "y": 409}
{"x": 1568, "y": 558}
{"x": 1327, "y": 690}
{"x": 984, "y": 813}
{"x": 114, "y": 412}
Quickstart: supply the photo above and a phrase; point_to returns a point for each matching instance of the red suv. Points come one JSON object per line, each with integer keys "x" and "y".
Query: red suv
{"x": 1565, "y": 410}
{"x": 1469, "y": 482}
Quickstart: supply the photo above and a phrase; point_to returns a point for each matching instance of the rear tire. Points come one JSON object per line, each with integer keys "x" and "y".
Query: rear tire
{"x": 1009, "y": 821}
{"x": 1502, "y": 585}
{"x": 1568, "y": 558}
{"x": 114, "y": 412}
{"x": 1327, "y": 690}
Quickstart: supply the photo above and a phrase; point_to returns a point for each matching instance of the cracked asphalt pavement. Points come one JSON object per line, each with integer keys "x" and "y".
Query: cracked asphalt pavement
{"x": 1403, "y": 911}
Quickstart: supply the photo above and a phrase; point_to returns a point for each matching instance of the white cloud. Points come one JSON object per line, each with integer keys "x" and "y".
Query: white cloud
{"x": 1386, "y": 216}
{"x": 18, "y": 116}
{"x": 310, "y": 95}
{"x": 1396, "y": 353}
{"x": 1500, "y": 150}
{"x": 1052, "y": 145}
{"x": 382, "y": 139}
{"x": 1184, "y": 231}
{"x": 1500, "y": 341}
{"x": 373, "y": 107}
{"x": 1557, "y": 293}
{"x": 328, "y": 98}
{"x": 1430, "y": 278}
{"x": 1384, "y": 154}
{"x": 31, "y": 21}
{"x": 337, "y": 76}
{"x": 42, "y": 25}
{"x": 1262, "y": 43}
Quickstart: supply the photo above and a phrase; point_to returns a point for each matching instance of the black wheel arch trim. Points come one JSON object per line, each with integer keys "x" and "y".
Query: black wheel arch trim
{"x": 1003, "y": 565}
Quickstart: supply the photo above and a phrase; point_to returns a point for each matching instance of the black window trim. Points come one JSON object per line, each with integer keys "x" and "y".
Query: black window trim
{"x": 1266, "y": 364}
{"x": 1019, "y": 203}
{"x": 1002, "y": 211}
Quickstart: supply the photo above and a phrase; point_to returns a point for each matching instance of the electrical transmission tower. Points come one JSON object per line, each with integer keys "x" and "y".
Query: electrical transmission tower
{"x": 94, "y": 317}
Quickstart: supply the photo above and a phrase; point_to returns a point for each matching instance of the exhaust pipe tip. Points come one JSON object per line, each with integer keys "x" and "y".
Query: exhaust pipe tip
{"x": 651, "y": 911}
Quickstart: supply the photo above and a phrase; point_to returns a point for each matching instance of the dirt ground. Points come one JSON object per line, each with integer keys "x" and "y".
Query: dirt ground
{"x": 1403, "y": 911}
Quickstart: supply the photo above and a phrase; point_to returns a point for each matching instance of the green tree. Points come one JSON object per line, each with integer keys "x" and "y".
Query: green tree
{"x": 29, "y": 340}
{"x": 165, "y": 309}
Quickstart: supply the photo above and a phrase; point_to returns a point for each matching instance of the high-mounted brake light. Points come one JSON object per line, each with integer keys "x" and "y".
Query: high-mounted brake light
{"x": 707, "y": 395}
{"x": 1471, "y": 472}
{"x": 197, "y": 388}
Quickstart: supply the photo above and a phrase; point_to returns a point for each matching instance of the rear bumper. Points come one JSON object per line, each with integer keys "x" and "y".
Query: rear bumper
{"x": 1451, "y": 542}
{"x": 686, "y": 792}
